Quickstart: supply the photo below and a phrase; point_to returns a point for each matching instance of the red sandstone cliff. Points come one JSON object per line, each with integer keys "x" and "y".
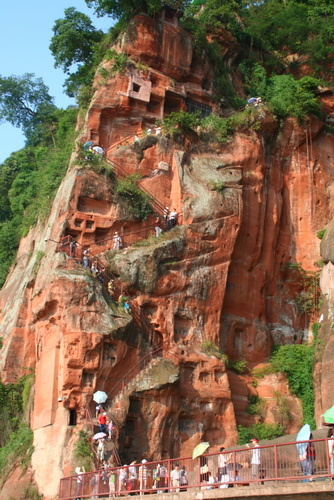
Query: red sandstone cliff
{"x": 220, "y": 277}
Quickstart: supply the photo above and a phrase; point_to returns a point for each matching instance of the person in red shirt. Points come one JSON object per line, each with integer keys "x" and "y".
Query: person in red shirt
{"x": 103, "y": 421}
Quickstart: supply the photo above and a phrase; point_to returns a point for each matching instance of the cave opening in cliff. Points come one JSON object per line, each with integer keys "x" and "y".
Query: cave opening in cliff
{"x": 155, "y": 107}
{"x": 72, "y": 418}
{"x": 173, "y": 103}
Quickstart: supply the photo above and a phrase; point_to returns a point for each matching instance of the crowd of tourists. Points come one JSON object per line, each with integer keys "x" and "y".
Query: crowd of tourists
{"x": 222, "y": 470}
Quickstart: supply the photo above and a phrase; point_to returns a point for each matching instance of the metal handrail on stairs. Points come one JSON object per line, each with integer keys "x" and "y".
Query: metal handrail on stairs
{"x": 122, "y": 173}
{"x": 137, "y": 368}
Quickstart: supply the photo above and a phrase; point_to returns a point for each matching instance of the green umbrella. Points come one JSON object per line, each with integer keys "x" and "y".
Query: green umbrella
{"x": 329, "y": 416}
{"x": 200, "y": 449}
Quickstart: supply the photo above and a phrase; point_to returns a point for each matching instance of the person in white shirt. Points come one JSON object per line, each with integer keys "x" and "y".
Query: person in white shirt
{"x": 256, "y": 458}
{"x": 175, "y": 476}
{"x": 330, "y": 445}
{"x": 117, "y": 241}
{"x": 211, "y": 481}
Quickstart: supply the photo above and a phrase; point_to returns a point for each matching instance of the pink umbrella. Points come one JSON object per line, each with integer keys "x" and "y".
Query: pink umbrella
{"x": 99, "y": 435}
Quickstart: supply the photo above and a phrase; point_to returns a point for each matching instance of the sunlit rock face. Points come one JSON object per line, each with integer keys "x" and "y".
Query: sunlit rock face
{"x": 248, "y": 208}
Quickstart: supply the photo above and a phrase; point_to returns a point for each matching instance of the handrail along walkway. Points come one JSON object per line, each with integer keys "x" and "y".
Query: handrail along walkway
{"x": 279, "y": 463}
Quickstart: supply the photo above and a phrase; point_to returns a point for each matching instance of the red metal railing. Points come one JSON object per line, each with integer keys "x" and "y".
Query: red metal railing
{"x": 120, "y": 172}
{"x": 129, "y": 139}
{"x": 105, "y": 277}
{"x": 127, "y": 236}
{"x": 275, "y": 463}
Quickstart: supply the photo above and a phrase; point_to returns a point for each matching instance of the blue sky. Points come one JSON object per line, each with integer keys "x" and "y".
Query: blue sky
{"x": 25, "y": 34}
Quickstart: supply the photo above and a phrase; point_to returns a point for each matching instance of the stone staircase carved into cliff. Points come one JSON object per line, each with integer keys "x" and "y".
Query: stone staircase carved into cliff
{"x": 158, "y": 372}
{"x": 122, "y": 173}
{"x": 139, "y": 316}
{"x": 111, "y": 446}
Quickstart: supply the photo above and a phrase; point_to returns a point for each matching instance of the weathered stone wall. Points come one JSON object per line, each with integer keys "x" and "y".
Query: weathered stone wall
{"x": 221, "y": 278}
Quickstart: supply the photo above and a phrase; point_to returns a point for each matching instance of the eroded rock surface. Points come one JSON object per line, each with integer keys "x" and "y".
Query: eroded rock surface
{"x": 221, "y": 278}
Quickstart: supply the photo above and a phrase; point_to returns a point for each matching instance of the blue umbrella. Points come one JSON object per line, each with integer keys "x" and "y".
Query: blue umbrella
{"x": 252, "y": 99}
{"x": 303, "y": 435}
{"x": 88, "y": 145}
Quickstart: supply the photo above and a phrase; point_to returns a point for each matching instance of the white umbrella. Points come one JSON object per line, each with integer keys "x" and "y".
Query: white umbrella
{"x": 98, "y": 150}
{"x": 303, "y": 435}
{"x": 100, "y": 397}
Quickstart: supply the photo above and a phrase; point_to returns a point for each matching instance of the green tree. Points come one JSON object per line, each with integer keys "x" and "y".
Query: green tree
{"x": 73, "y": 43}
{"x": 124, "y": 9}
{"x": 73, "y": 40}
{"x": 288, "y": 96}
{"x": 25, "y": 102}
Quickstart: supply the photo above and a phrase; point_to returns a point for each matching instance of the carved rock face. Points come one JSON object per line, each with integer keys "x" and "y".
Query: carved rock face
{"x": 220, "y": 278}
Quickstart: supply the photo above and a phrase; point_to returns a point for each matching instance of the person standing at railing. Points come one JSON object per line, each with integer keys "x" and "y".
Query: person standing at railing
{"x": 183, "y": 478}
{"x": 112, "y": 480}
{"x": 307, "y": 460}
{"x": 117, "y": 241}
{"x": 161, "y": 474}
{"x": 111, "y": 288}
{"x": 223, "y": 476}
{"x": 166, "y": 215}
{"x": 110, "y": 429}
{"x": 330, "y": 444}
{"x": 256, "y": 459}
{"x": 94, "y": 268}
{"x": 157, "y": 227}
{"x": 73, "y": 247}
{"x": 143, "y": 475}
{"x": 133, "y": 476}
{"x": 79, "y": 482}
{"x": 173, "y": 219}
{"x": 175, "y": 477}
{"x": 122, "y": 478}
{"x": 101, "y": 450}
{"x": 310, "y": 456}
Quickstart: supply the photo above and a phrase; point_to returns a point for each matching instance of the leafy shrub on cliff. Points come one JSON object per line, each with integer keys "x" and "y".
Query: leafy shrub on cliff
{"x": 308, "y": 299}
{"x": 14, "y": 400}
{"x": 296, "y": 362}
{"x": 180, "y": 121}
{"x": 238, "y": 366}
{"x": 290, "y": 97}
{"x": 15, "y": 435}
{"x": 212, "y": 349}
{"x": 138, "y": 203}
{"x": 259, "y": 431}
{"x": 83, "y": 452}
{"x": 31, "y": 493}
{"x": 17, "y": 449}
{"x": 219, "y": 128}
{"x": 257, "y": 406}
{"x": 321, "y": 233}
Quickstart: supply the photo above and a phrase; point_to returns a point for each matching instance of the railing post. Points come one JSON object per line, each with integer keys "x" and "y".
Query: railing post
{"x": 168, "y": 475}
{"x": 199, "y": 471}
{"x": 328, "y": 459}
{"x": 276, "y": 462}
